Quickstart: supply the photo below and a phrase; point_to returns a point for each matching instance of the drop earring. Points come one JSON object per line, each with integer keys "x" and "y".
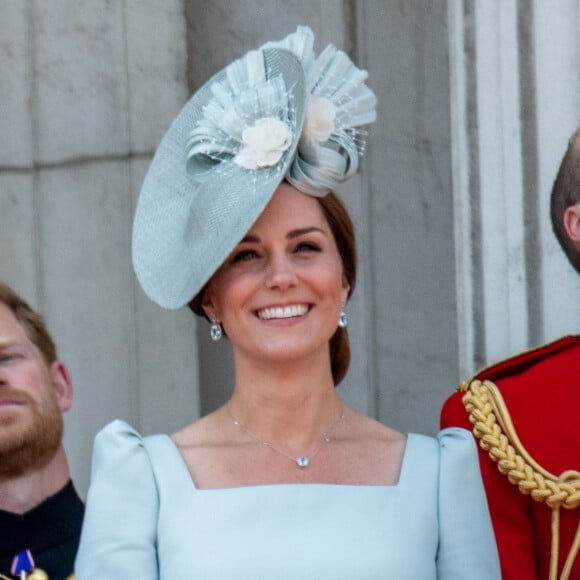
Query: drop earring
{"x": 342, "y": 319}
{"x": 215, "y": 330}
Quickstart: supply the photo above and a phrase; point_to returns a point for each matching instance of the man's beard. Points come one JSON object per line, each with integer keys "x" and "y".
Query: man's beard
{"x": 30, "y": 442}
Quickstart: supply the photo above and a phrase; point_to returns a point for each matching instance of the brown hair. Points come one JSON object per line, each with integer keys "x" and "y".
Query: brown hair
{"x": 342, "y": 229}
{"x": 566, "y": 193}
{"x": 31, "y": 321}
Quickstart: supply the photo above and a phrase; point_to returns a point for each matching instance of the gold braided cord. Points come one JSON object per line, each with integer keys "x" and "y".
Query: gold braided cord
{"x": 567, "y": 570}
{"x": 493, "y": 426}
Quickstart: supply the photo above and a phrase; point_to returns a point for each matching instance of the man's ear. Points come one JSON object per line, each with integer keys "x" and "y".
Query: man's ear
{"x": 62, "y": 385}
{"x": 572, "y": 222}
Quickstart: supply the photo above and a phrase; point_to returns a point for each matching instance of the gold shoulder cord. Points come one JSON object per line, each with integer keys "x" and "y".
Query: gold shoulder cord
{"x": 494, "y": 429}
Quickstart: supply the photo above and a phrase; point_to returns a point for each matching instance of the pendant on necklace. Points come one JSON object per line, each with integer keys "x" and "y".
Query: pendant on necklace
{"x": 302, "y": 461}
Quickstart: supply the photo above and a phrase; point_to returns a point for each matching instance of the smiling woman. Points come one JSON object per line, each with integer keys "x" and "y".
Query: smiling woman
{"x": 279, "y": 294}
{"x": 249, "y": 233}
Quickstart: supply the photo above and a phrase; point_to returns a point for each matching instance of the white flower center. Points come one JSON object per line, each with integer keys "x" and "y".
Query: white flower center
{"x": 319, "y": 122}
{"x": 283, "y": 312}
{"x": 264, "y": 143}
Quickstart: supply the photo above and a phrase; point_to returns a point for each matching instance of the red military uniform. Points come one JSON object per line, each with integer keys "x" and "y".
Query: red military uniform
{"x": 541, "y": 394}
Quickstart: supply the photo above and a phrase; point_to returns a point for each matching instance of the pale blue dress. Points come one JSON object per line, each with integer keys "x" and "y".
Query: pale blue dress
{"x": 146, "y": 520}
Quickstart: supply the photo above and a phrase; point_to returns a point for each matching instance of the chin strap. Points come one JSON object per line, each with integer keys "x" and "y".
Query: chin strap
{"x": 493, "y": 426}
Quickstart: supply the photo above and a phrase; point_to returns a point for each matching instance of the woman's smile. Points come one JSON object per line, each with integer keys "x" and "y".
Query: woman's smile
{"x": 283, "y": 312}
{"x": 287, "y": 274}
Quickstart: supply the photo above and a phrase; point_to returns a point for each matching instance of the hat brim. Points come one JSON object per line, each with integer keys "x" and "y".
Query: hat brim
{"x": 183, "y": 229}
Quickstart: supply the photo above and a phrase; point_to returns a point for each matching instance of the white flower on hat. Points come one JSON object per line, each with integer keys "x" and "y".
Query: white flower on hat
{"x": 264, "y": 143}
{"x": 319, "y": 122}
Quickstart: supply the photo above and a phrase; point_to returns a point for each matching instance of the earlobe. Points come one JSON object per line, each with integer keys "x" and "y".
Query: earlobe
{"x": 209, "y": 309}
{"x": 572, "y": 222}
{"x": 345, "y": 290}
{"x": 62, "y": 384}
{"x": 208, "y": 304}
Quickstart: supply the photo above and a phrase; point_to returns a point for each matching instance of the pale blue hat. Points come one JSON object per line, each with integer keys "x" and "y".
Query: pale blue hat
{"x": 277, "y": 113}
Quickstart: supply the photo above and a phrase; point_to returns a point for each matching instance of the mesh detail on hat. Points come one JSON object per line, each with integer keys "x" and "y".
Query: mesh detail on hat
{"x": 188, "y": 222}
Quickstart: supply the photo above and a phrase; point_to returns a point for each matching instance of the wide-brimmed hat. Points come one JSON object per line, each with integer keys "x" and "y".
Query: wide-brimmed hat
{"x": 277, "y": 113}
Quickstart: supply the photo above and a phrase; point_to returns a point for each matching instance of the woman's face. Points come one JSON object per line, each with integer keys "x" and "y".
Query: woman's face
{"x": 279, "y": 293}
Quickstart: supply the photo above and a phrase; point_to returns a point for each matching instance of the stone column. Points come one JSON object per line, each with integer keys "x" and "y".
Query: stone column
{"x": 515, "y": 100}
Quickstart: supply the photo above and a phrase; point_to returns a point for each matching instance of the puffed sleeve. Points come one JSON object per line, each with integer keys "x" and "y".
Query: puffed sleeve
{"x": 119, "y": 530}
{"x": 467, "y": 547}
{"x": 510, "y": 510}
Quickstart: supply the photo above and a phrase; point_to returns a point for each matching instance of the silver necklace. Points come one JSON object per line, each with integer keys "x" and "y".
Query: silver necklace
{"x": 301, "y": 460}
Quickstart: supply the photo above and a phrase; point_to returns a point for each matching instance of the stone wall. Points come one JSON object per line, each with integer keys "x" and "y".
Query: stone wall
{"x": 458, "y": 265}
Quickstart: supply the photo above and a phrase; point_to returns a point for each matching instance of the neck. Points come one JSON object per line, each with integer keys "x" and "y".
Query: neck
{"x": 24, "y": 492}
{"x": 288, "y": 405}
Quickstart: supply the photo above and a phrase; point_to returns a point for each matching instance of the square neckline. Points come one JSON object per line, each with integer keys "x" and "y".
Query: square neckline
{"x": 405, "y": 467}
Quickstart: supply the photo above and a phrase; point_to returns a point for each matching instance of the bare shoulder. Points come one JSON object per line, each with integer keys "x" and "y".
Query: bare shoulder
{"x": 372, "y": 450}
{"x": 208, "y": 449}
{"x": 362, "y": 427}
{"x": 207, "y": 431}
